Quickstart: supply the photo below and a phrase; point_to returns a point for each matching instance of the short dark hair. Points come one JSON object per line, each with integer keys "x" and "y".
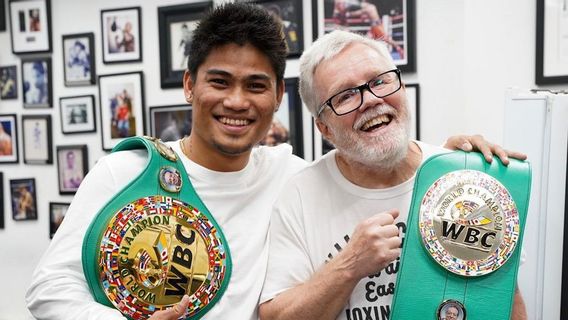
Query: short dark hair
{"x": 240, "y": 23}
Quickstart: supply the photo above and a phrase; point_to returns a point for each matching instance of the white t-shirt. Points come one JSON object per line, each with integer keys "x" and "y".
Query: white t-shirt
{"x": 241, "y": 203}
{"x": 313, "y": 220}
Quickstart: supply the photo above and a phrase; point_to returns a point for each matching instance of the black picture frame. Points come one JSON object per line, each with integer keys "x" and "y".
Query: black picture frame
{"x": 24, "y": 199}
{"x": 2, "y": 16}
{"x": 550, "y": 68}
{"x": 8, "y": 139}
{"x": 37, "y": 86}
{"x": 121, "y": 35}
{"x": 30, "y": 26}
{"x": 176, "y": 25}
{"x": 79, "y": 59}
{"x": 77, "y": 114}
{"x": 72, "y": 167}
{"x": 8, "y": 82}
{"x": 170, "y": 123}
{"x": 2, "y": 199}
{"x": 38, "y": 143}
{"x": 57, "y": 211}
{"x": 287, "y": 125}
{"x": 118, "y": 90}
{"x": 401, "y": 35}
{"x": 291, "y": 13}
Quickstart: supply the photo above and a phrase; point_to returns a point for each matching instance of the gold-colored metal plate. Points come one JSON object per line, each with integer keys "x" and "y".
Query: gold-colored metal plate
{"x": 155, "y": 250}
{"x": 165, "y": 150}
{"x": 469, "y": 223}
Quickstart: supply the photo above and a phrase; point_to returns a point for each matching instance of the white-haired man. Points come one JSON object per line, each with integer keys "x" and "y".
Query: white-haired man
{"x": 337, "y": 230}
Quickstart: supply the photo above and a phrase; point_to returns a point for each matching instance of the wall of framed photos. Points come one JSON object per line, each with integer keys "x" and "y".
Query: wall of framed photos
{"x": 466, "y": 53}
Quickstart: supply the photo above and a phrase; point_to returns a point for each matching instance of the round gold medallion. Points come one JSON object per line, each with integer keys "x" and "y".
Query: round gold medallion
{"x": 155, "y": 250}
{"x": 469, "y": 223}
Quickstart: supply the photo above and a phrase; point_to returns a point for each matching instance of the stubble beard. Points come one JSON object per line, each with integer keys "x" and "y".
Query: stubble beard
{"x": 384, "y": 151}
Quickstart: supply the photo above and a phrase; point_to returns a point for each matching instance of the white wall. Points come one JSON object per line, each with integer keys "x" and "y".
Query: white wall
{"x": 468, "y": 52}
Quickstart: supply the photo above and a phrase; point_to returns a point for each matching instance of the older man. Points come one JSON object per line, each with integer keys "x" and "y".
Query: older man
{"x": 337, "y": 229}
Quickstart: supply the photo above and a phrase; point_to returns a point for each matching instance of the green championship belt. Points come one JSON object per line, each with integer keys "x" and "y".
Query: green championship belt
{"x": 462, "y": 249}
{"x": 155, "y": 242}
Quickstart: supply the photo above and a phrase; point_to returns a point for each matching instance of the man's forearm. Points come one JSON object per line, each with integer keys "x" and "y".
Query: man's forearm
{"x": 519, "y": 308}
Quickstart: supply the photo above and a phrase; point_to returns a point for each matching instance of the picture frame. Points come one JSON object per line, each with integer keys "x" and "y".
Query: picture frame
{"x": 551, "y": 38}
{"x": 79, "y": 59}
{"x": 8, "y": 82}
{"x": 2, "y": 16}
{"x": 287, "y": 125}
{"x": 2, "y": 200}
{"x": 24, "y": 199}
{"x": 121, "y": 99}
{"x": 57, "y": 211}
{"x": 72, "y": 167}
{"x": 77, "y": 114}
{"x": 8, "y": 138}
{"x": 30, "y": 26}
{"x": 121, "y": 31}
{"x": 36, "y": 82}
{"x": 176, "y": 25}
{"x": 37, "y": 146}
{"x": 170, "y": 123}
{"x": 290, "y": 12}
{"x": 396, "y": 24}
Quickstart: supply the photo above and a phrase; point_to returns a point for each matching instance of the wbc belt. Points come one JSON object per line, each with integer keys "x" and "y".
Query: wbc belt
{"x": 155, "y": 241}
{"x": 462, "y": 249}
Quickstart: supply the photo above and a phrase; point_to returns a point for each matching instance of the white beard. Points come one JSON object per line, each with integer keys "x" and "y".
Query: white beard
{"x": 384, "y": 151}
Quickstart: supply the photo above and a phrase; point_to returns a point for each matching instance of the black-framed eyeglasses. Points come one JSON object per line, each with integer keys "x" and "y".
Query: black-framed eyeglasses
{"x": 351, "y": 99}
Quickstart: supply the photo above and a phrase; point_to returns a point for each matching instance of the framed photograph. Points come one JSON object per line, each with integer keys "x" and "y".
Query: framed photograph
{"x": 122, "y": 107}
{"x": 79, "y": 59}
{"x": 36, "y": 82}
{"x": 121, "y": 35}
{"x": 57, "y": 211}
{"x": 176, "y": 26}
{"x": 551, "y": 42}
{"x": 72, "y": 166}
{"x": 8, "y": 82}
{"x": 287, "y": 123}
{"x": 1, "y": 199}
{"x": 23, "y": 196}
{"x": 392, "y": 21}
{"x": 30, "y": 26}
{"x": 170, "y": 123}
{"x": 77, "y": 114}
{"x": 8, "y": 138}
{"x": 413, "y": 97}
{"x": 37, "y": 139}
{"x": 290, "y": 12}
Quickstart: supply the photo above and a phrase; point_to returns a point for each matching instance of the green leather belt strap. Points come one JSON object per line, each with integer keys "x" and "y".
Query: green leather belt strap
{"x": 423, "y": 284}
{"x": 146, "y": 184}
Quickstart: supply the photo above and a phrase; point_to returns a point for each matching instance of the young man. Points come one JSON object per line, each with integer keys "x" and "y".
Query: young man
{"x": 335, "y": 240}
{"x": 235, "y": 84}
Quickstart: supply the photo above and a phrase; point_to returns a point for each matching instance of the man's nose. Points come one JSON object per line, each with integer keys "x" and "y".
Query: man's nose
{"x": 237, "y": 99}
{"x": 369, "y": 99}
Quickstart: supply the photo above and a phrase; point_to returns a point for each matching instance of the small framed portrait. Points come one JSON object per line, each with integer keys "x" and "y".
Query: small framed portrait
{"x": 72, "y": 165}
{"x": 122, "y": 107}
{"x": 287, "y": 122}
{"x": 413, "y": 98}
{"x": 8, "y": 138}
{"x": 30, "y": 26}
{"x": 77, "y": 114}
{"x": 36, "y": 82}
{"x": 176, "y": 26}
{"x": 290, "y": 12}
{"x": 451, "y": 310}
{"x": 57, "y": 211}
{"x": 37, "y": 139}
{"x": 391, "y": 21}
{"x": 79, "y": 59}
{"x": 551, "y": 42}
{"x": 23, "y": 196}
{"x": 170, "y": 123}
{"x": 8, "y": 82}
{"x": 121, "y": 35}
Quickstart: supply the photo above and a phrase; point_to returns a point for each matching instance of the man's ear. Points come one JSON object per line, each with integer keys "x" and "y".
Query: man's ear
{"x": 281, "y": 87}
{"x": 324, "y": 129}
{"x": 188, "y": 87}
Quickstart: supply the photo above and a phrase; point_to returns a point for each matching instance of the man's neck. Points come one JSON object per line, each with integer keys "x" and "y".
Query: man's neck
{"x": 372, "y": 177}
{"x": 207, "y": 156}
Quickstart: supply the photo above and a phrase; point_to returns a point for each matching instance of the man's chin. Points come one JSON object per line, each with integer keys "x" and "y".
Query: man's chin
{"x": 234, "y": 150}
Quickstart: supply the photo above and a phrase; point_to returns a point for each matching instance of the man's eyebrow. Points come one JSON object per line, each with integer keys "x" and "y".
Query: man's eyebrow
{"x": 261, "y": 76}
{"x": 253, "y": 77}
{"x": 218, "y": 72}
